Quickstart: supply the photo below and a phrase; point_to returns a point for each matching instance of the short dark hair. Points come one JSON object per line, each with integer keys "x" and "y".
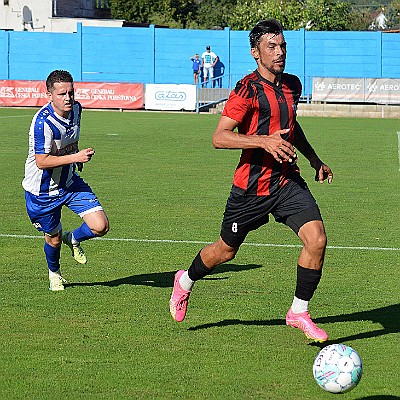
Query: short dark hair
{"x": 58, "y": 75}
{"x": 262, "y": 28}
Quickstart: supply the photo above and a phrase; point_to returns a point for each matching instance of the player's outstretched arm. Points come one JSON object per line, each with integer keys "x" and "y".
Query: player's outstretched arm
{"x": 45, "y": 161}
{"x": 322, "y": 171}
{"x": 226, "y": 138}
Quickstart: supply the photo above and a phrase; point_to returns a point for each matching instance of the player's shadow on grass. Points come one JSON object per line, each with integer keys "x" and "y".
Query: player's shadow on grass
{"x": 387, "y": 317}
{"x": 164, "y": 279}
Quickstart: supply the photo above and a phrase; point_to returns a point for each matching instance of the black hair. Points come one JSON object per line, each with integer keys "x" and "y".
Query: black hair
{"x": 262, "y": 28}
{"x": 58, "y": 75}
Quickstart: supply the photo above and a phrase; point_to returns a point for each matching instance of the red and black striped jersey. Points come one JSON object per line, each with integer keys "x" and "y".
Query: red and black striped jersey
{"x": 262, "y": 108}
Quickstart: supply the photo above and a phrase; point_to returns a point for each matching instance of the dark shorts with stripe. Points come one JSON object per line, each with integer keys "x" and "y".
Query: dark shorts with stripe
{"x": 292, "y": 205}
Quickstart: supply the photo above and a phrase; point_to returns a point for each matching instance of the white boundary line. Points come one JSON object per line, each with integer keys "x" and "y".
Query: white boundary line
{"x": 205, "y": 243}
{"x": 16, "y": 116}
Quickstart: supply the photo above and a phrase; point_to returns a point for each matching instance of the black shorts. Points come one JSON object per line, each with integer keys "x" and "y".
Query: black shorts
{"x": 292, "y": 205}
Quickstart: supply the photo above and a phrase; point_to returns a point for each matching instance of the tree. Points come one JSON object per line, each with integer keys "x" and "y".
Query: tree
{"x": 293, "y": 14}
{"x": 132, "y": 10}
{"x": 214, "y": 14}
{"x": 392, "y": 13}
{"x": 317, "y": 15}
{"x": 328, "y": 15}
{"x": 174, "y": 13}
{"x": 245, "y": 15}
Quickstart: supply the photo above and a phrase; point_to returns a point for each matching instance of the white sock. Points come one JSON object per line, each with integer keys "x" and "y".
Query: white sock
{"x": 186, "y": 282}
{"x": 72, "y": 240}
{"x": 52, "y": 273}
{"x": 299, "y": 306}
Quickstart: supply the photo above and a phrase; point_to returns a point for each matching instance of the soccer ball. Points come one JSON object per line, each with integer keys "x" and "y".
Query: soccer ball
{"x": 337, "y": 368}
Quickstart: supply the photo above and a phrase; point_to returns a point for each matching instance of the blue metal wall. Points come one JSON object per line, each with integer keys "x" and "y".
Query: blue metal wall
{"x": 151, "y": 55}
{"x": 32, "y": 56}
{"x": 344, "y": 54}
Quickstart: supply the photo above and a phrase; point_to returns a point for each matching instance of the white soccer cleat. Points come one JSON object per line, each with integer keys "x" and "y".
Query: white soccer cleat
{"x": 56, "y": 281}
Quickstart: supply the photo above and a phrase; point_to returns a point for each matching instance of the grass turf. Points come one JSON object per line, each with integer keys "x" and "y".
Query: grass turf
{"x": 110, "y": 335}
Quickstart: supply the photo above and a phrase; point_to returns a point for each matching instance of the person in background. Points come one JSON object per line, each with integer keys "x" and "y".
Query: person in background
{"x": 219, "y": 69}
{"x": 196, "y": 67}
{"x": 51, "y": 180}
{"x": 209, "y": 59}
{"x": 260, "y": 118}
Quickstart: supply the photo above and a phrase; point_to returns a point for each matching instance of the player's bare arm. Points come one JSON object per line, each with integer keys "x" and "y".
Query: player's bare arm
{"x": 322, "y": 171}
{"x": 226, "y": 138}
{"x": 45, "y": 161}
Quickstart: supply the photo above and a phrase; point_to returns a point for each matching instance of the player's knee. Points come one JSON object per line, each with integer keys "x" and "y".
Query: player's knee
{"x": 101, "y": 227}
{"x": 317, "y": 243}
{"x": 53, "y": 241}
{"x": 104, "y": 229}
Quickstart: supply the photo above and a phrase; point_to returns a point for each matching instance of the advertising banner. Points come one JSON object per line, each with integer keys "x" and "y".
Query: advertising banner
{"x": 128, "y": 96}
{"x": 338, "y": 89}
{"x": 170, "y": 97}
{"x": 382, "y": 91}
{"x": 364, "y": 90}
{"x": 22, "y": 93}
{"x": 90, "y": 94}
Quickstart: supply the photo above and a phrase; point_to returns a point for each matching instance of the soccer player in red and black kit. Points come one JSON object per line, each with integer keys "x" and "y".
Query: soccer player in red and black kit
{"x": 260, "y": 118}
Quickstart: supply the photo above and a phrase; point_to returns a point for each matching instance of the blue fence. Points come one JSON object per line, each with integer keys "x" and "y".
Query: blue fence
{"x": 159, "y": 55}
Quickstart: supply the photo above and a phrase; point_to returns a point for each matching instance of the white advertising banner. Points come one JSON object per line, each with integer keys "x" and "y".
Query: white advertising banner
{"x": 382, "y": 91}
{"x": 338, "y": 89}
{"x": 364, "y": 90}
{"x": 170, "y": 97}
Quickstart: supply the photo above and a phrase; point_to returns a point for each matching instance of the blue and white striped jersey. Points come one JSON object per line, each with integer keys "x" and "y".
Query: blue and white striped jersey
{"x": 51, "y": 134}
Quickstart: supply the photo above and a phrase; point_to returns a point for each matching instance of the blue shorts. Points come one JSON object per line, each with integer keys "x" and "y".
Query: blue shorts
{"x": 45, "y": 211}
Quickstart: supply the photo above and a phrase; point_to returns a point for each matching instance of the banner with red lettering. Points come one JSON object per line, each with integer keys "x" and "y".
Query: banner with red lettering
{"x": 127, "y": 96}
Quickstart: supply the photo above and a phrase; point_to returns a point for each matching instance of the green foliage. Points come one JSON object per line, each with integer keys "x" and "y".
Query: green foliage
{"x": 174, "y": 13}
{"x": 328, "y": 15}
{"x": 214, "y": 14}
{"x": 133, "y": 10}
{"x": 321, "y": 15}
{"x": 361, "y": 19}
{"x": 246, "y": 14}
{"x": 312, "y": 14}
{"x": 392, "y": 13}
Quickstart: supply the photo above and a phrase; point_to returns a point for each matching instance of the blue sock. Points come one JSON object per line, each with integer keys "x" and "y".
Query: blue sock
{"x": 83, "y": 233}
{"x": 52, "y": 257}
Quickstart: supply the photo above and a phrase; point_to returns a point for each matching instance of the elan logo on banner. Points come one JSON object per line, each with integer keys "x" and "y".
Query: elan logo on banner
{"x": 170, "y": 97}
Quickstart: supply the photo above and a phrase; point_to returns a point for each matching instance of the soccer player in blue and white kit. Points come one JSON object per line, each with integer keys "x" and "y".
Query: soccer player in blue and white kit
{"x": 51, "y": 180}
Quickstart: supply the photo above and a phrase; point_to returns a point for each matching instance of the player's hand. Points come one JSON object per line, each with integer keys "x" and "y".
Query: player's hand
{"x": 323, "y": 172}
{"x": 280, "y": 149}
{"x": 84, "y": 155}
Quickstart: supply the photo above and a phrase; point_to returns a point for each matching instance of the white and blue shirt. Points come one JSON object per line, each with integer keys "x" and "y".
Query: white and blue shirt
{"x": 208, "y": 59}
{"x": 52, "y": 134}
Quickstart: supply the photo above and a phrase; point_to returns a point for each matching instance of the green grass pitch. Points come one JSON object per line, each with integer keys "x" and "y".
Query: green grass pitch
{"x": 109, "y": 335}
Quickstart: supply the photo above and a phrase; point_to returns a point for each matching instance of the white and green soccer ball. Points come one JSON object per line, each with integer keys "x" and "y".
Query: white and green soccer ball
{"x": 337, "y": 368}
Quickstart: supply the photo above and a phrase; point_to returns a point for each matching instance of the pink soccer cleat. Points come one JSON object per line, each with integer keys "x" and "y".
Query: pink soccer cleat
{"x": 304, "y": 322}
{"x": 179, "y": 299}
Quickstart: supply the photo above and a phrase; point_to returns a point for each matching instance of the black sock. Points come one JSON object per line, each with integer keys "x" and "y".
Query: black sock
{"x": 307, "y": 282}
{"x": 198, "y": 270}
